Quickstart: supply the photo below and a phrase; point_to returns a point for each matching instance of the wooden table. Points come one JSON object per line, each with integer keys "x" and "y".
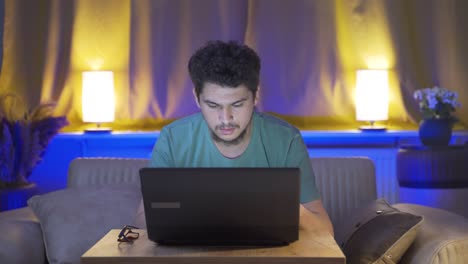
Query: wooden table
{"x": 313, "y": 246}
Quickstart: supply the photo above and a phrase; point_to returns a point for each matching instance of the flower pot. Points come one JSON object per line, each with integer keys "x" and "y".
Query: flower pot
{"x": 12, "y": 198}
{"x": 435, "y": 132}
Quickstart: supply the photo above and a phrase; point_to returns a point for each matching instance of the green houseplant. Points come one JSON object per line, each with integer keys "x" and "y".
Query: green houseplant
{"x": 24, "y": 136}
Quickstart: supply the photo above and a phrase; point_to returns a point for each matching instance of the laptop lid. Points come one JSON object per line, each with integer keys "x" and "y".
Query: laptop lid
{"x": 239, "y": 206}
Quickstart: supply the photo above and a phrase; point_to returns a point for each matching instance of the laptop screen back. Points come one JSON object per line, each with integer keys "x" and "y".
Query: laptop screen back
{"x": 221, "y": 205}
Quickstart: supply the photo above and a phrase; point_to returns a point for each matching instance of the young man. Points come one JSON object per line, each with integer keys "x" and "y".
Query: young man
{"x": 228, "y": 132}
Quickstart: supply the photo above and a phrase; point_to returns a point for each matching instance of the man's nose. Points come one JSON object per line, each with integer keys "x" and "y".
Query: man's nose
{"x": 226, "y": 114}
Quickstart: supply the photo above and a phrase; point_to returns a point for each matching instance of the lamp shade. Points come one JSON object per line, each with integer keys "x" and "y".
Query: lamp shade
{"x": 372, "y": 95}
{"x": 98, "y": 98}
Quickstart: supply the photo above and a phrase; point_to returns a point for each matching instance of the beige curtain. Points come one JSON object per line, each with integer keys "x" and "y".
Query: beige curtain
{"x": 310, "y": 50}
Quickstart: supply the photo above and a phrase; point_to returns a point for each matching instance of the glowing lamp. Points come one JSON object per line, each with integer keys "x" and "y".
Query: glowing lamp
{"x": 98, "y": 99}
{"x": 372, "y": 97}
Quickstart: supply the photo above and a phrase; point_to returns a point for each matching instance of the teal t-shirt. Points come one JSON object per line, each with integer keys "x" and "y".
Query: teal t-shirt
{"x": 187, "y": 142}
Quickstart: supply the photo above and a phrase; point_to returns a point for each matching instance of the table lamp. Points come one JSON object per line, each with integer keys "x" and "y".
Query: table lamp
{"x": 372, "y": 98}
{"x": 98, "y": 99}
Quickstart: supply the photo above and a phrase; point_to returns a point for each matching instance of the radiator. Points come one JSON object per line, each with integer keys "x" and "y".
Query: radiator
{"x": 385, "y": 166}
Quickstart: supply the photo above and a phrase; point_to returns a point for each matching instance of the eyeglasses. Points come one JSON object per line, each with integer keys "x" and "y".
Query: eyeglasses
{"x": 127, "y": 234}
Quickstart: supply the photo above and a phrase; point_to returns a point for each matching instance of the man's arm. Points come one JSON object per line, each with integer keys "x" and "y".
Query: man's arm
{"x": 316, "y": 209}
{"x": 310, "y": 196}
{"x": 160, "y": 158}
{"x": 161, "y": 155}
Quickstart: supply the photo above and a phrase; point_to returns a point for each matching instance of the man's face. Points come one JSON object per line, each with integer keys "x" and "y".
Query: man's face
{"x": 227, "y": 111}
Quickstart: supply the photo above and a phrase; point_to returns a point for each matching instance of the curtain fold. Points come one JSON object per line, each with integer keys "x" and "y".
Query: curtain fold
{"x": 430, "y": 41}
{"x": 25, "y": 39}
{"x": 310, "y": 50}
{"x": 164, "y": 35}
{"x": 58, "y": 55}
{"x": 300, "y": 67}
{"x": 2, "y": 21}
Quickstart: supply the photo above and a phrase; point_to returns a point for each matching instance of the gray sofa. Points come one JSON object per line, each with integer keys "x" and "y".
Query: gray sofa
{"x": 345, "y": 184}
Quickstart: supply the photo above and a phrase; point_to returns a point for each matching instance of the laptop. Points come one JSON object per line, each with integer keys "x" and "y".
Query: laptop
{"x": 221, "y": 206}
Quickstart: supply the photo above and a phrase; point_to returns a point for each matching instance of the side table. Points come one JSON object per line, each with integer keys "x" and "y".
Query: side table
{"x": 434, "y": 176}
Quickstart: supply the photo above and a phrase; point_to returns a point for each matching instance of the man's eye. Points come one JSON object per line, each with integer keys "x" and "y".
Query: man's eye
{"x": 237, "y": 105}
{"x": 212, "y": 105}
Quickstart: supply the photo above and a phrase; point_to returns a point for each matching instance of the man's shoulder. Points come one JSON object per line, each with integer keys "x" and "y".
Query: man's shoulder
{"x": 270, "y": 123}
{"x": 281, "y": 140}
{"x": 184, "y": 124}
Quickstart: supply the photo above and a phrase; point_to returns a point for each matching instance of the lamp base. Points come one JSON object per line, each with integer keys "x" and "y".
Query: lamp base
{"x": 372, "y": 128}
{"x": 98, "y": 130}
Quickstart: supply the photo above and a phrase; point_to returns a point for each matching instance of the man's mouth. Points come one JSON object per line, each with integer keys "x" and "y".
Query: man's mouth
{"x": 227, "y": 131}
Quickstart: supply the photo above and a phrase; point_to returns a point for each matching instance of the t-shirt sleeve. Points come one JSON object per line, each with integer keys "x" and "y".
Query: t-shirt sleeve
{"x": 161, "y": 155}
{"x": 299, "y": 157}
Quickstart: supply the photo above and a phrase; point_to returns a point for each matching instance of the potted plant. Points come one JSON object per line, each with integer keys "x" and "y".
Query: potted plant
{"x": 24, "y": 136}
{"x": 437, "y": 105}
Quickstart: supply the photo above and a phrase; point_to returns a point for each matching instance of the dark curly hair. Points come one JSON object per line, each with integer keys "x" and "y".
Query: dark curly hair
{"x": 225, "y": 63}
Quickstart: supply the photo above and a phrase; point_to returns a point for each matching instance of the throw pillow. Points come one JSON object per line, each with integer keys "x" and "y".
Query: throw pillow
{"x": 377, "y": 233}
{"x": 74, "y": 219}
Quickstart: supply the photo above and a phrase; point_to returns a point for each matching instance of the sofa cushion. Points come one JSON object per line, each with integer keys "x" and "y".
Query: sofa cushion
{"x": 21, "y": 237}
{"x": 73, "y": 220}
{"x": 377, "y": 233}
{"x": 442, "y": 238}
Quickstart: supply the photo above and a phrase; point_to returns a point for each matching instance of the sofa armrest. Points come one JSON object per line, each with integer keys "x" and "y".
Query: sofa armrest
{"x": 442, "y": 238}
{"x": 345, "y": 183}
{"x": 21, "y": 238}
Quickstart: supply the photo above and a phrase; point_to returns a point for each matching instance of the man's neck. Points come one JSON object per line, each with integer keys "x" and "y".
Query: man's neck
{"x": 232, "y": 151}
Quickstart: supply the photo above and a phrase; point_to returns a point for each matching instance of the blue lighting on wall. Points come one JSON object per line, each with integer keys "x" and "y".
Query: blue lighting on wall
{"x": 51, "y": 173}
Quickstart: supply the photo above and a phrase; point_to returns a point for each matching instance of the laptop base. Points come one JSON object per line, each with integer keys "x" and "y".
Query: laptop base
{"x": 249, "y": 243}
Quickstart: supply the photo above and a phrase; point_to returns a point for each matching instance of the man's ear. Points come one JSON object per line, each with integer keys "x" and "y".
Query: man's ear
{"x": 196, "y": 98}
{"x": 257, "y": 94}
